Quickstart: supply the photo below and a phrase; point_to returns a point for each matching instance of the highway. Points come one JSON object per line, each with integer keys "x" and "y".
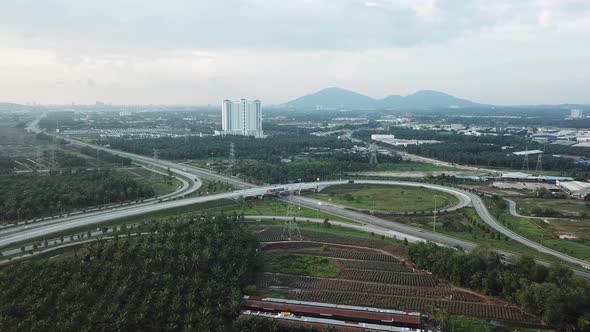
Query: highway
{"x": 179, "y": 169}
{"x": 248, "y": 190}
{"x": 382, "y": 226}
{"x": 187, "y": 187}
{"x": 62, "y": 224}
{"x": 476, "y": 201}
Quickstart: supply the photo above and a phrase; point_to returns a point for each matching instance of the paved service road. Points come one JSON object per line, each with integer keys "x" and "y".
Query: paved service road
{"x": 514, "y": 212}
{"x": 484, "y": 214}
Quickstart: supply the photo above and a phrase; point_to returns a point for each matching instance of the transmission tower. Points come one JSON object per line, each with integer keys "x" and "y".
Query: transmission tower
{"x": 539, "y": 167}
{"x": 232, "y": 155}
{"x": 291, "y": 231}
{"x": 98, "y": 159}
{"x": 39, "y": 157}
{"x": 53, "y": 158}
{"x": 373, "y": 159}
{"x": 155, "y": 156}
{"x": 525, "y": 162}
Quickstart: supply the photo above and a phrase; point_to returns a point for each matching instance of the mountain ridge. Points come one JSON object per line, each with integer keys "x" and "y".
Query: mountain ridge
{"x": 339, "y": 98}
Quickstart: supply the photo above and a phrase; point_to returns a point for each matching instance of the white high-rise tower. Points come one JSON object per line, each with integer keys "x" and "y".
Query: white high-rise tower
{"x": 241, "y": 117}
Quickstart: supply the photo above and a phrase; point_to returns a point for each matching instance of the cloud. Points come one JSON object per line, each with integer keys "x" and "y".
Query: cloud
{"x": 198, "y": 51}
{"x": 124, "y": 26}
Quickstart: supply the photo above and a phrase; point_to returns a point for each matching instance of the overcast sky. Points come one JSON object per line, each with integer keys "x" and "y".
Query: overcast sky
{"x": 199, "y": 52}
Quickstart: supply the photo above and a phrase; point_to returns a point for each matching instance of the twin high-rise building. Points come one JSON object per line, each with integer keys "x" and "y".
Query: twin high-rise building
{"x": 241, "y": 117}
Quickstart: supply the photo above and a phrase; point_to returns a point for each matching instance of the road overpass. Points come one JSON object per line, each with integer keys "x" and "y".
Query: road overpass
{"x": 248, "y": 189}
{"x": 40, "y": 230}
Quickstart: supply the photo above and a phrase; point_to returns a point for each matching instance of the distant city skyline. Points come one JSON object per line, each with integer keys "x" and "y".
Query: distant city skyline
{"x": 176, "y": 52}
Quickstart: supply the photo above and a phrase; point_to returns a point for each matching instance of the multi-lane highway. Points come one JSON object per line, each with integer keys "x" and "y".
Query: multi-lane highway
{"x": 58, "y": 225}
{"x": 247, "y": 189}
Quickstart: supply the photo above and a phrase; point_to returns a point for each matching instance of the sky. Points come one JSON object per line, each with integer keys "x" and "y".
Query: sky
{"x": 503, "y": 52}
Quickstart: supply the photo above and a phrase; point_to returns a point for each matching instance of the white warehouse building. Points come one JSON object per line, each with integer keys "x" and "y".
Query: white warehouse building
{"x": 576, "y": 188}
{"x": 241, "y": 117}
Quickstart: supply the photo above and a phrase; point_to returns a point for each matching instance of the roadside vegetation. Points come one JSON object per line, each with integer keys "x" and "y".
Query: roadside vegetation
{"x": 537, "y": 230}
{"x": 210, "y": 187}
{"x": 162, "y": 184}
{"x": 547, "y": 207}
{"x": 32, "y": 196}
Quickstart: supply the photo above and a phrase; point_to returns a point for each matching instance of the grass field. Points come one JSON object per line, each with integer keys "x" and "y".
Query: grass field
{"x": 566, "y": 207}
{"x": 466, "y": 225}
{"x": 209, "y": 187}
{"x": 272, "y": 207}
{"x": 161, "y": 183}
{"x": 314, "y": 266}
{"x": 579, "y": 228}
{"x": 538, "y": 231}
{"x": 386, "y": 198}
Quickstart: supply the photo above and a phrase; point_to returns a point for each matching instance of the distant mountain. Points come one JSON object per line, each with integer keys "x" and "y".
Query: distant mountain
{"x": 429, "y": 99}
{"x": 333, "y": 98}
{"x": 337, "y": 98}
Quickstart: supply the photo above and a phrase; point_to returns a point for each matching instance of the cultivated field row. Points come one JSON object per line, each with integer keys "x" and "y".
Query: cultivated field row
{"x": 482, "y": 310}
{"x": 271, "y": 280}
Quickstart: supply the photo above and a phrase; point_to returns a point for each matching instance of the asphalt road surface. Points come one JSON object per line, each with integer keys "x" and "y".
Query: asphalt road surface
{"x": 464, "y": 197}
{"x": 32, "y": 231}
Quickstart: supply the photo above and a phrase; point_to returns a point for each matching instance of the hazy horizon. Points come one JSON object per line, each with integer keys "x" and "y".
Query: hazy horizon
{"x": 186, "y": 53}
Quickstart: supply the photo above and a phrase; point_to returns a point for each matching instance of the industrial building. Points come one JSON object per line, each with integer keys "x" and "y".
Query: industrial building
{"x": 241, "y": 117}
{"x": 525, "y": 177}
{"x": 527, "y": 152}
{"x": 391, "y": 140}
{"x": 577, "y": 189}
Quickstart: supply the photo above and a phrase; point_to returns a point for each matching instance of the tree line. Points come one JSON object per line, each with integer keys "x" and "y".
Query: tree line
{"x": 323, "y": 166}
{"x": 28, "y": 196}
{"x": 268, "y": 149}
{"x": 552, "y": 293}
{"x": 181, "y": 274}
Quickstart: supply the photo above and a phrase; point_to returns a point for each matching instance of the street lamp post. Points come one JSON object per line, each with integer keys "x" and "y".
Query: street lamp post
{"x": 434, "y": 216}
{"x": 435, "y": 212}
